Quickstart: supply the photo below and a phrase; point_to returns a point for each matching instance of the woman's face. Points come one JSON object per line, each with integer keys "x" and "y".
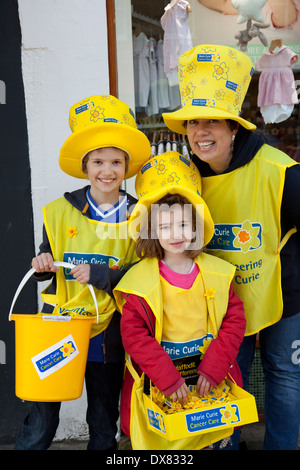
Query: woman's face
{"x": 211, "y": 140}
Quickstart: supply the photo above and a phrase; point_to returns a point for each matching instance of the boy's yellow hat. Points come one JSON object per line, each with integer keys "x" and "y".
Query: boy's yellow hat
{"x": 102, "y": 121}
{"x": 213, "y": 82}
{"x": 169, "y": 173}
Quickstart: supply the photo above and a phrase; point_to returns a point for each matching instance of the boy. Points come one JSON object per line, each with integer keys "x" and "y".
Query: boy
{"x": 105, "y": 147}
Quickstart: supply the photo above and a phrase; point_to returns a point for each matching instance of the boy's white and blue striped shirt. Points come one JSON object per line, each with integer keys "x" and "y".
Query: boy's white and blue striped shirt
{"x": 115, "y": 214}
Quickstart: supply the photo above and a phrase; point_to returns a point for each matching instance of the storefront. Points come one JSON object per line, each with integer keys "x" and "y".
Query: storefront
{"x": 56, "y": 53}
{"x": 143, "y": 57}
{"x": 143, "y": 81}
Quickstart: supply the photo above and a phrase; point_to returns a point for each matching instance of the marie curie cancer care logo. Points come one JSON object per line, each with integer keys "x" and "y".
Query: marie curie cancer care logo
{"x": 56, "y": 356}
{"x": 156, "y": 420}
{"x": 243, "y": 237}
{"x": 213, "y": 418}
{"x": 77, "y": 258}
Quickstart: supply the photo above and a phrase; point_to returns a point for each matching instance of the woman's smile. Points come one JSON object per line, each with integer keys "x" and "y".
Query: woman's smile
{"x": 211, "y": 142}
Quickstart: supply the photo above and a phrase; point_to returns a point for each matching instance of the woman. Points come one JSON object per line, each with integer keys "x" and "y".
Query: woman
{"x": 251, "y": 190}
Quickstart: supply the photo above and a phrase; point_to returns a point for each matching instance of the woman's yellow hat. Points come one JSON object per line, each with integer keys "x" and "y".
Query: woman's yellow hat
{"x": 102, "y": 121}
{"x": 213, "y": 82}
{"x": 169, "y": 173}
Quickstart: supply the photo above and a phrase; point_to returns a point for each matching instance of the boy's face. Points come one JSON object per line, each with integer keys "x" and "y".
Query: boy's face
{"x": 106, "y": 170}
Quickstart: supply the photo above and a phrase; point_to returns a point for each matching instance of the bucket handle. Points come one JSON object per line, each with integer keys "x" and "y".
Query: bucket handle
{"x": 32, "y": 271}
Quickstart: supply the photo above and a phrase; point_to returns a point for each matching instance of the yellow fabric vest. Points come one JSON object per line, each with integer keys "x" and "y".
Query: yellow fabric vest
{"x": 76, "y": 239}
{"x": 245, "y": 207}
{"x": 180, "y": 339}
{"x": 144, "y": 280}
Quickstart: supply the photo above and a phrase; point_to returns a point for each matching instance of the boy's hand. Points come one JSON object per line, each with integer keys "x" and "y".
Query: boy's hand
{"x": 44, "y": 263}
{"x": 81, "y": 273}
{"x": 203, "y": 386}
{"x": 181, "y": 393}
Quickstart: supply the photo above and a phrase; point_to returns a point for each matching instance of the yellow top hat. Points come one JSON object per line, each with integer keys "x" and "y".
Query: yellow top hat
{"x": 213, "y": 82}
{"x": 169, "y": 173}
{"x": 102, "y": 121}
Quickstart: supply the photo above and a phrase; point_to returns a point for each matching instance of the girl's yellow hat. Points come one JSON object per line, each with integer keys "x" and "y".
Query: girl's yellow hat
{"x": 169, "y": 173}
{"x": 213, "y": 82}
{"x": 102, "y": 121}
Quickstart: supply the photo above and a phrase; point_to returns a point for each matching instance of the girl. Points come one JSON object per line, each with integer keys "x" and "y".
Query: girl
{"x": 176, "y": 300}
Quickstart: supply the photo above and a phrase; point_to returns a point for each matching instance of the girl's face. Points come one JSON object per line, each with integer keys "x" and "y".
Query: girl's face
{"x": 106, "y": 171}
{"x": 211, "y": 141}
{"x": 175, "y": 229}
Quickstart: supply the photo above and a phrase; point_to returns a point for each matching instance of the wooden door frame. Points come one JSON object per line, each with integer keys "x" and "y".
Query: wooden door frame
{"x": 112, "y": 47}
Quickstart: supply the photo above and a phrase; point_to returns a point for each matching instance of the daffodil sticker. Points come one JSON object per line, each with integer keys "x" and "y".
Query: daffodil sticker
{"x": 72, "y": 232}
{"x": 209, "y": 293}
{"x": 67, "y": 349}
{"x": 229, "y": 414}
{"x": 246, "y": 237}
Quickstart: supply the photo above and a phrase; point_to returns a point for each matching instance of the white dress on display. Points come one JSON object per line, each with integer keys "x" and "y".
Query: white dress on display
{"x": 162, "y": 81}
{"x": 152, "y": 107}
{"x": 141, "y": 69}
{"x": 177, "y": 37}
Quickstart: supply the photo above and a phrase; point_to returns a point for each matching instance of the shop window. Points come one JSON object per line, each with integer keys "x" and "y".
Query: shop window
{"x": 284, "y": 135}
{"x": 154, "y": 93}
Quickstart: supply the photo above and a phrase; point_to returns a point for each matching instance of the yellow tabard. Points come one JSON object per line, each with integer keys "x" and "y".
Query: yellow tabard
{"x": 77, "y": 239}
{"x": 245, "y": 207}
{"x": 144, "y": 280}
{"x": 185, "y": 319}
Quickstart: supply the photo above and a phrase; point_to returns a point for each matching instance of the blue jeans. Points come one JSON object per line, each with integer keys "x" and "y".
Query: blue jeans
{"x": 279, "y": 346}
{"x": 103, "y": 385}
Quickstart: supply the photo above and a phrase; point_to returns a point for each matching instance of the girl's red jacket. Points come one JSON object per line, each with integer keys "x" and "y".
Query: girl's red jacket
{"x": 148, "y": 356}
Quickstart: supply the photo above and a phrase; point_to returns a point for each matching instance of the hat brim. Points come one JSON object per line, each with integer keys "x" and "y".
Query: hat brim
{"x": 175, "y": 121}
{"x": 78, "y": 144}
{"x": 140, "y": 213}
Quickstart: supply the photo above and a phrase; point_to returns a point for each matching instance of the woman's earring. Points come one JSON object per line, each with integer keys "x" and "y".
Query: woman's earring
{"x": 232, "y": 140}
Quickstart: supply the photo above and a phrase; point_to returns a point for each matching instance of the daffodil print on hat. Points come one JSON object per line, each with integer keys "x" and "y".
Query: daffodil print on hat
{"x": 169, "y": 173}
{"x": 103, "y": 121}
{"x": 213, "y": 82}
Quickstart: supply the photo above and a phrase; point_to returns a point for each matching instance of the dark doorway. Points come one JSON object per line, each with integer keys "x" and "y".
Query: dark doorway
{"x": 16, "y": 232}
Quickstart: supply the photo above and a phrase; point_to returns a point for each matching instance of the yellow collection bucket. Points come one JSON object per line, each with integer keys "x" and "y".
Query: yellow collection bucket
{"x": 51, "y": 352}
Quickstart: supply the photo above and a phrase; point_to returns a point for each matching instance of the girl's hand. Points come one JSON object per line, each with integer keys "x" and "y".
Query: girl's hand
{"x": 81, "y": 273}
{"x": 203, "y": 386}
{"x": 44, "y": 263}
{"x": 181, "y": 393}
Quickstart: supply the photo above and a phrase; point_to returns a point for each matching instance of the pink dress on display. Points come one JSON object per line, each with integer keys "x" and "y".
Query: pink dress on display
{"x": 277, "y": 93}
